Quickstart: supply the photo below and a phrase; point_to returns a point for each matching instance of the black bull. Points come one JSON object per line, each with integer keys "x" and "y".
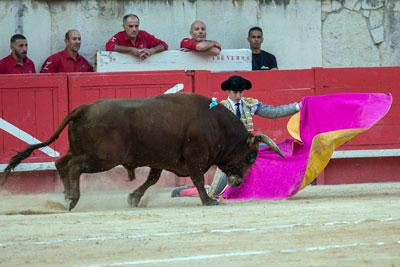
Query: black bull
{"x": 177, "y": 132}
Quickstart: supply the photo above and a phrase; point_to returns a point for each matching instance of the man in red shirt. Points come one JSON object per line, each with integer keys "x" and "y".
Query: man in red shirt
{"x": 198, "y": 42}
{"x": 17, "y": 62}
{"x": 68, "y": 60}
{"x": 133, "y": 41}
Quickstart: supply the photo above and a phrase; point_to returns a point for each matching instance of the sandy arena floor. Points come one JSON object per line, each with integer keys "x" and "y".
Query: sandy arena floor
{"x": 343, "y": 225}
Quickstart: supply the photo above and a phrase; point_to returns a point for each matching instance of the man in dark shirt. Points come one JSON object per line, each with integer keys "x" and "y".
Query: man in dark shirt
{"x": 68, "y": 60}
{"x": 261, "y": 60}
{"x": 17, "y": 62}
{"x": 133, "y": 41}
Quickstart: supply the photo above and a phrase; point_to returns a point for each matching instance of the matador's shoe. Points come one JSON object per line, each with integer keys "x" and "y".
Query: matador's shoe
{"x": 219, "y": 184}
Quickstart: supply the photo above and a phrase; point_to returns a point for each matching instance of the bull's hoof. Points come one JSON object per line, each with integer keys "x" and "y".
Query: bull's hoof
{"x": 70, "y": 203}
{"x": 67, "y": 203}
{"x": 134, "y": 199}
{"x": 211, "y": 202}
{"x": 73, "y": 204}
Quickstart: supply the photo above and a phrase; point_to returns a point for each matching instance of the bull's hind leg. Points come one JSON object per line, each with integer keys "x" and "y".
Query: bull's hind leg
{"x": 78, "y": 165}
{"x": 62, "y": 168}
{"x": 152, "y": 178}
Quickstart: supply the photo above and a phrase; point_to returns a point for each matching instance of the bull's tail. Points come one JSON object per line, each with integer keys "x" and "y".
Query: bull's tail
{"x": 14, "y": 161}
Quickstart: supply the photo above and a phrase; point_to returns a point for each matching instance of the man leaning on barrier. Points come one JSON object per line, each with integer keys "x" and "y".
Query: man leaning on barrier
{"x": 198, "y": 42}
{"x": 133, "y": 41}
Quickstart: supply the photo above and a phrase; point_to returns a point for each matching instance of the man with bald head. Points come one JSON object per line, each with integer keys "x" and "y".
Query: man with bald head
{"x": 133, "y": 41}
{"x": 68, "y": 60}
{"x": 198, "y": 42}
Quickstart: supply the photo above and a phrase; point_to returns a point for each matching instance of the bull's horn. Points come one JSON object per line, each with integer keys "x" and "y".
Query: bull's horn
{"x": 265, "y": 139}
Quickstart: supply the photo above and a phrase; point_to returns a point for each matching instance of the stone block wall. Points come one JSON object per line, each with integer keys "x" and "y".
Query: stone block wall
{"x": 301, "y": 33}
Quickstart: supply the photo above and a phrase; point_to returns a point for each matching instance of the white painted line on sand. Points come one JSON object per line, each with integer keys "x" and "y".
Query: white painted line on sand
{"x": 237, "y": 254}
{"x": 182, "y": 233}
{"x": 185, "y": 258}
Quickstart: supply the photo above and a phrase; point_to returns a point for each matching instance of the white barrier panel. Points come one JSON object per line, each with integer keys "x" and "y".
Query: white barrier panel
{"x": 228, "y": 60}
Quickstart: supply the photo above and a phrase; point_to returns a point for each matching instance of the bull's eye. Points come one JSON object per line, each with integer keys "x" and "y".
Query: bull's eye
{"x": 251, "y": 157}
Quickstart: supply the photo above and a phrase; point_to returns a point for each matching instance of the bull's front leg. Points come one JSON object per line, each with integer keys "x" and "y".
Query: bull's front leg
{"x": 131, "y": 172}
{"x": 198, "y": 181}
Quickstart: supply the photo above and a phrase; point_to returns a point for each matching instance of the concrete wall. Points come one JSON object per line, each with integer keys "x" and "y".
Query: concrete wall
{"x": 301, "y": 33}
{"x": 360, "y": 33}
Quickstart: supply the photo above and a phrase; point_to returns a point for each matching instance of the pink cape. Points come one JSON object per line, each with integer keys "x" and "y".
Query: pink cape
{"x": 326, "y": 122}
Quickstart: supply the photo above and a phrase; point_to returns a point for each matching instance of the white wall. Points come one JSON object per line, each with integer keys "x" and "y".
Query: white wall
{"x": 301, "y": 33}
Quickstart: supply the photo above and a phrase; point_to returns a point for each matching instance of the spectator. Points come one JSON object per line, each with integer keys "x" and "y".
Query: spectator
{"x": 198, "y": 42}
{"x": 68, "y": 60}
{"x": 261, "y": 60}
{"x": 133, "y": 41}
{"x": 17, "y": 62}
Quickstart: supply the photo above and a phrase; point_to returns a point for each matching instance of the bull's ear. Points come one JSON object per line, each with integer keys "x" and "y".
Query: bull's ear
{"x": 261, "y": 138}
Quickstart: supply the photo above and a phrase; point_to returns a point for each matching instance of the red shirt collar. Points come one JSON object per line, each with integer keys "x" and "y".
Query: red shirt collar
{"x": 13, "y": 62}
{"x": 129, "y": 40}
{"x": 66, "y": 55}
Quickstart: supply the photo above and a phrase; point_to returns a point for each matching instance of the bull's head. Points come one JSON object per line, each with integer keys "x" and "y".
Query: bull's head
{"x": 237, "y": 169}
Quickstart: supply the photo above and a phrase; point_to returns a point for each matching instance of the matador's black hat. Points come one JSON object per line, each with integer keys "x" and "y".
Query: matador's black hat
{"x": 236, "y": 83}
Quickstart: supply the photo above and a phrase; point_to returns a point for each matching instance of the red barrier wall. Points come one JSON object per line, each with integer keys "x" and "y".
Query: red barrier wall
{"x": 273, "y": 87}
{"x": 35, "y": 104}
{"x": 86, "y": 88}
{"x": 385, "y": 134}
{"x": 282, "y": 87}
{"x": 361, "y": 170}
{"x": 38, "y": 103}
